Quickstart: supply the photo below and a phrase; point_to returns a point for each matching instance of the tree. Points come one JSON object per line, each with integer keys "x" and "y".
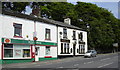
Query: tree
{"x": 102, "y": 31}
{"x": 15, "y": 6}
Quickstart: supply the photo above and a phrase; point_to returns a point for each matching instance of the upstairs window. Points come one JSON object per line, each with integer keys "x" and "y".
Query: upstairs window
{"x": 17, "y": 30}
{"x": 64, "y": 33}
{"x": 47, "y": 34}
{"x": 74, "y": 35}
{"x": 80, "y": 36}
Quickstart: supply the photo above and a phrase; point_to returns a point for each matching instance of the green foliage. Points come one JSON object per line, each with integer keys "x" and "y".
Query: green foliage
{"x": 15, "y": 6}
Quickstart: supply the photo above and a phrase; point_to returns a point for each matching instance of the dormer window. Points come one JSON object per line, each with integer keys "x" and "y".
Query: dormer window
{"x": 17, "y": 30}
{"x": 65, "y": 33}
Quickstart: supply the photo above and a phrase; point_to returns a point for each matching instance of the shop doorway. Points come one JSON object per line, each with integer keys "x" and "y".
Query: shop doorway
{"x": 37, "y": 52}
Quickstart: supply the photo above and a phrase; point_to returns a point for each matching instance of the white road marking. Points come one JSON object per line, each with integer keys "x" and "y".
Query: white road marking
{"x": 37, "y": 65}
{"x": 76, "y": 64}
{"x": 115, "y": 57}
{"x": 89, "y": 62}
{"x": 34, "y": 63}
{"x": 105, "y": 65}
{"x": 22, "y": 67}
{"x": 104, "y": 59}
{"x": 60, "y": 67}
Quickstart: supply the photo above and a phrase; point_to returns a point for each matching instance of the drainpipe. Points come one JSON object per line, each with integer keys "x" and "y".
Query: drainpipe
{"x": 57, "y": 40}
{"x": 35, "y": 39}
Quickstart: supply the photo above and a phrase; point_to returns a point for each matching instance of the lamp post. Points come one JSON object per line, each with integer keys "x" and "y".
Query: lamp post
{"x": 35, "y": 39}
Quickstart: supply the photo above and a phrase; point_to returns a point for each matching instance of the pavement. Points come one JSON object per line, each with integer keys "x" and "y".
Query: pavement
{"x": 101, "y": 61}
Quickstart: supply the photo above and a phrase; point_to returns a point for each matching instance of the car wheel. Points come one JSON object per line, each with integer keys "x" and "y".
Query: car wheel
{"x": 90, "y": 56}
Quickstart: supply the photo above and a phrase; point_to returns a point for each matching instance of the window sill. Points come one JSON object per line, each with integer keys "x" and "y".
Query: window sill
{"x": 74, "y": 39}
{"x": 64, "y": 53}
{"x": 48, "y": 39}
{"x": 19, "y": 58}
{"x": 48, "y": 57}
{"x": 18, "y": 36}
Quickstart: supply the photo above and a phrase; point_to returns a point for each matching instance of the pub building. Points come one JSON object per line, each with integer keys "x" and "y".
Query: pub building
{"x": 72, "y": 40}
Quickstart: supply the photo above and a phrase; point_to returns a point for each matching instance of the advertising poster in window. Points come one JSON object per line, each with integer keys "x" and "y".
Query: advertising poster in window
{"x": 26, "y": 52}
{"x": 17, "y": 53}
{"x": 48, "y": 51}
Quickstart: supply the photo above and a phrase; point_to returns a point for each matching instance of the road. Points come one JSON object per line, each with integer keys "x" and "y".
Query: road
{"x": 101, "y": 61}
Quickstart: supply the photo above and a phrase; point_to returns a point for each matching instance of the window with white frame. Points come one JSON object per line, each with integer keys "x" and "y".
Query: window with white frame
{"x": 74, "y": 35}
{"x": 8, "y": 50}
{"x": 81, "y": 49}
{"x": 47, "y": 34}
{"x": 61, "y": 48}
{"x": 26, "y": 52}
{"x": 68, "y": 47}
{"x": 47, "y": 50}
{"x": 80, "y": 36}
{"x": 17, "y": 29}
{"x": 16, "y": 51}
{"x": 64, "y": 33}
{"x": 65, "y": 48}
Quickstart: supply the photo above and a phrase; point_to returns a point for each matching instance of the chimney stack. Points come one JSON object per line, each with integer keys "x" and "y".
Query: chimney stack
{"x": 36, "y": 11}
{"x": 68, "y": 21}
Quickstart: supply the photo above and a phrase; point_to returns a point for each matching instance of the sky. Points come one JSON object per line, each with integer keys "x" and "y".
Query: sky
{"x": 111, "y": 5}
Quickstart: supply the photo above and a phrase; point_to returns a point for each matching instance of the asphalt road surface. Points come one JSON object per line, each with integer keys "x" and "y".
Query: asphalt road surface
{"x": 101, "y": 61}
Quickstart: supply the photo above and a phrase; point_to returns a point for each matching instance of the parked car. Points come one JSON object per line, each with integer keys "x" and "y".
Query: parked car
{"x": 90, "y": 53}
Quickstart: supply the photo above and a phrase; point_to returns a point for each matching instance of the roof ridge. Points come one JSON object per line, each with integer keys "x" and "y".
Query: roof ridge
{"x": 39, "y": 19}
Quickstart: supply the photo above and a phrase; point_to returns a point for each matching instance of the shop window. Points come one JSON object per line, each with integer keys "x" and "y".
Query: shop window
{"x": 16, "y": 51}
{"x": 65, "y": 47}
{"x": 77, "y": 50}
{"x": 17, "y": 30}
{"x": 26, "y": 52}
{"x": 47, "y": 50}
{"x": 68, "y": 48}
{"x": 71, "y": 50}
{"x": 47, "y": 34}
{"x": 8, "y": 50}
{"x": 81, "y": 49}
{"x": 61, "y": 48}
{"x": 65, "y": 33}
{"x": 8, "y": 53}
{"x": 74, "y": 35}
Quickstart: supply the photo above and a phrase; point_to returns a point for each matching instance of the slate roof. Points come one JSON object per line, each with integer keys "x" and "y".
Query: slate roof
{"x": 48, "y": 21}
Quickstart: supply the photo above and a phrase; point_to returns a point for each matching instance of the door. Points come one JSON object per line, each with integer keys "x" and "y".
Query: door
{"x": 74, "y": 47}
{"x": 37, "y": 50}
